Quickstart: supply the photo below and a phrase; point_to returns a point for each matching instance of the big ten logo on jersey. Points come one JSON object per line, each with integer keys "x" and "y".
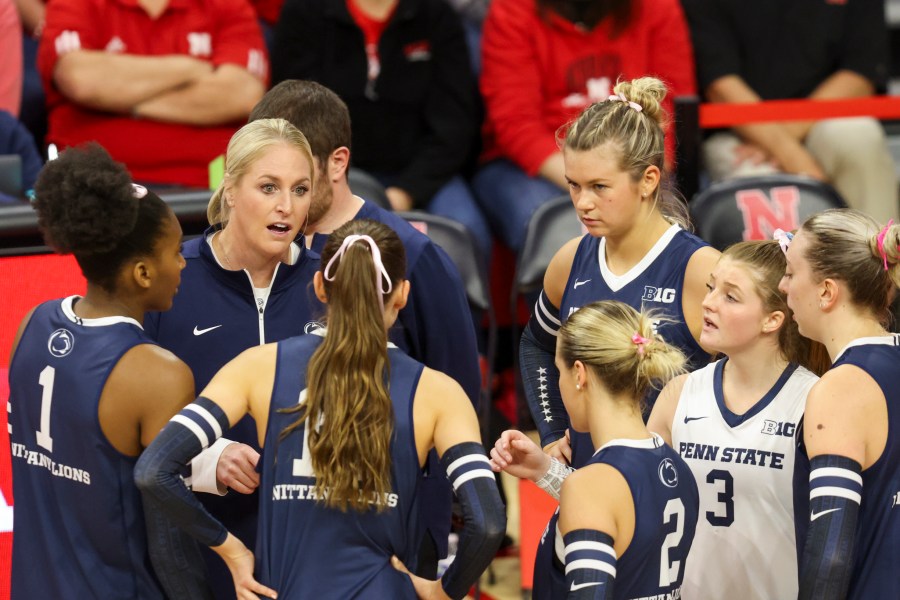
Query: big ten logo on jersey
{"x": 763, "y": 214}
{"x": 200, "y": 43}
{"x": 779, "y": 428}
{"x": 655, "y": 294}
{"x": 896, "y": 500}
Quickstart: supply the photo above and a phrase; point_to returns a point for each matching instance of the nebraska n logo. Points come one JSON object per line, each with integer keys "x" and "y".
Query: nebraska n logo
{"x": 763, "y": 215}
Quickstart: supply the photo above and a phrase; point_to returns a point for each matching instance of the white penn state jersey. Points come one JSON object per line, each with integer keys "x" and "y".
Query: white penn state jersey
{"x": 745, "y": 467}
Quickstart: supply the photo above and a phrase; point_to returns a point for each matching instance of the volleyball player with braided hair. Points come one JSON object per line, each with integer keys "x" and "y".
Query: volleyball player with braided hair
{"x": 637, "y": 250}
{"x": 346, "y": 421}
{"x": 842, "y": 272}
{"x": 626, "y": 518}
{"x": 89, "y": 389}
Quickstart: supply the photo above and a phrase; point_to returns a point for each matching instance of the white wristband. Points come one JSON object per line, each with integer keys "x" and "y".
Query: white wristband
{"x": 553, "y": 479}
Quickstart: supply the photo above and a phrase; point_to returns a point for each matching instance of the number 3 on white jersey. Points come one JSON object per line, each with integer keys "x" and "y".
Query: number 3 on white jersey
{"x": 668, "y": 571}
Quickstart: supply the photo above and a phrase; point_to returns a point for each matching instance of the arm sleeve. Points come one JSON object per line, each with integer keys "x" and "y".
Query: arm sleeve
{"x": 511, "y": 84}
{"x": 540, "y": 377}
{"x": 449, "y": 114}
{"x": 484, "y": 516}
{"x": 157, "y": 471}
{"x": 590, "y": 565}
{"x": 438, "y": 321}
{"x": 176, "y": 558}
{"x": 835, "y": 493}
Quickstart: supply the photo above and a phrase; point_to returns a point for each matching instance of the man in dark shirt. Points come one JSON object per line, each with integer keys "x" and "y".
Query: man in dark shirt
{"x": 780, "y": 49}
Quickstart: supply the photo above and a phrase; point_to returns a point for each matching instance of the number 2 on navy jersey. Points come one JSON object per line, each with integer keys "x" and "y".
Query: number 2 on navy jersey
{"x": 303, "y": 466}
{"x": 46, "y": 382}
{"x": 668, "y": 570}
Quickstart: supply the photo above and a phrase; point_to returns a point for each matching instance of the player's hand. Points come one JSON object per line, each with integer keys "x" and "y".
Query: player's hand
{"x": 236, "y": 468}
{"x": 240, "y": 562}
{"x": 561, "y": 449}
{"x": 516, "y": 454}
{"x": 426, "y": 589}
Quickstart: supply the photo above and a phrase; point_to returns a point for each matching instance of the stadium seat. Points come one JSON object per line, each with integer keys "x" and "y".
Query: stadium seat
{"x": 752, "y": 208}
{"x": 457, "y": 241}
{"x": 368, "y": 188}
{"x": 551, "y": 226}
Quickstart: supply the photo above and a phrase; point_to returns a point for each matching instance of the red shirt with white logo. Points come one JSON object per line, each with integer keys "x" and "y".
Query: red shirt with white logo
{"x": 220, "y": 31}
{"x": 540, "y": 71}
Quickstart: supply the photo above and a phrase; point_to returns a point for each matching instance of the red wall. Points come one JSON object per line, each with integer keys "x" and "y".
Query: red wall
{"x": 24, "y": 282}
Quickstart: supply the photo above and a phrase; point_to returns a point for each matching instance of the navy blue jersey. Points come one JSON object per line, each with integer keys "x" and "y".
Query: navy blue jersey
{"x": 435, "y": 327}
{"x": 655, "y": 283}
{"x": 666, "y": 505}
{"x": 306, "y": 550}
{"x": 79, "y": 520}
{"x": 214, "y": 317}
{"x": 875, "y": 572}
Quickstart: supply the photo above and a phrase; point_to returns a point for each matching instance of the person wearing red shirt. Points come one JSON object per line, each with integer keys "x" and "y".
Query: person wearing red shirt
{"x": 543, "y": 62}
{"x": 161, "y": 84}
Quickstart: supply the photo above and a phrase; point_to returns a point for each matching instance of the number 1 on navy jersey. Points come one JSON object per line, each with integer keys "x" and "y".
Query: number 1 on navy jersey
{"x": 43, "y": 434}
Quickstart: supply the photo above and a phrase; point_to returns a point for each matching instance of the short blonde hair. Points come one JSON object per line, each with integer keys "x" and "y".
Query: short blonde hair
{"x": 245, "y": 147}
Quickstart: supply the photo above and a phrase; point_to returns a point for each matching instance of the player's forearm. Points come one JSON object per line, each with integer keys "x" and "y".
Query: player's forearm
{"x": 118, "y": 82}
{"x": 222, "y": 97}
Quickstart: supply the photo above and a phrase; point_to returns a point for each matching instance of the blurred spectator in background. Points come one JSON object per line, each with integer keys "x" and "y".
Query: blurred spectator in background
{"x": 161, "y": 85}
{"x": 543, "y": 62}
{"x": 403, "y": 69}
{"x": 472, "y": 13}
{"x": 16, "y": 177}
{"x": 778, "y": 49}
{"x": 11, "y": 51}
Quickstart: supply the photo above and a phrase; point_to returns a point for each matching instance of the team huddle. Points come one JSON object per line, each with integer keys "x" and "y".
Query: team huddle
{"x": 713, "y": 424}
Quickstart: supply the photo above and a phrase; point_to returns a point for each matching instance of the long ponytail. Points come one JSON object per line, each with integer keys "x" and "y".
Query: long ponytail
{"x": 348, "y": 404}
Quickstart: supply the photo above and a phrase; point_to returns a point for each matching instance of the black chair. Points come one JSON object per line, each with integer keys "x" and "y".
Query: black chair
{"x": 368, "y": 188}
{"x": 459, "y": 244}
{"x": 550, "y": 227}
{"x": 752, "y": 208}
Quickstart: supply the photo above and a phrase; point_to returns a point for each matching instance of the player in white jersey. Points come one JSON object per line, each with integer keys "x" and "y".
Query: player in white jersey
{"x": 736, "y": 423}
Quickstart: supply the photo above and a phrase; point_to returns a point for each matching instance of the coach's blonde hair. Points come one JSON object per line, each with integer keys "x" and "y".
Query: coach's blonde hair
{"x": 639, "y": 136}
{"x": 843, "y": 245}
{"x": 764, "y": 263}
{"x": 348, "y": 404}
{"x": 245, "y": 147}
{"x": 602, "y": 336}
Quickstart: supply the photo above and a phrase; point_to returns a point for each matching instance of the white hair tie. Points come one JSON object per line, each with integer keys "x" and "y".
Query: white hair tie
{"x": 621, "y": 98}
{"x": 382, "y": 279}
